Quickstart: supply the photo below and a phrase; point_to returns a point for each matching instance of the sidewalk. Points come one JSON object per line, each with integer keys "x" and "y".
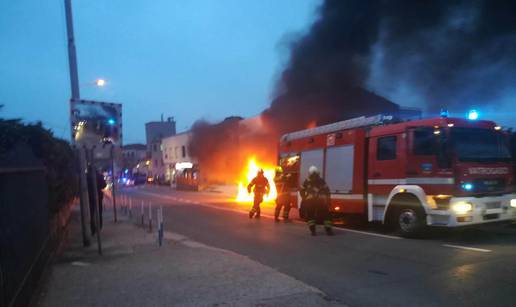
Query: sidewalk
{"x": 134, "y": 271}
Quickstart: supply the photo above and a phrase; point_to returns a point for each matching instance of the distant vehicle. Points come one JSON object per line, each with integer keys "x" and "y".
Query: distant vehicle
{"x": 139, "y": 179}
{"x": 446, "y": 172}
{"x": 126, "y": 181}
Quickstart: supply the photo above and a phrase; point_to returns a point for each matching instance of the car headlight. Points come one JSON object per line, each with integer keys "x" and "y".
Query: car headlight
{"x": 462, "y": 207}
{"x": 513, "y": 203}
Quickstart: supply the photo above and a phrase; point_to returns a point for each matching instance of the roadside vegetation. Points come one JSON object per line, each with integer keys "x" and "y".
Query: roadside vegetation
{"x": 56, "y": 155}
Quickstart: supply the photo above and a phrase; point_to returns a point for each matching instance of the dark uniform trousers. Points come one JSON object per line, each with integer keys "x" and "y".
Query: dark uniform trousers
{"x": 282, "y": 201}
{"x": 317, "y": 212}
{"x": 258, "y": 198}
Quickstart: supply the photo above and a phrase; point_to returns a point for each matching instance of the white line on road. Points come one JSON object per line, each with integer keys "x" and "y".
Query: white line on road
{"x": 468, "y": 248}
{"x": 369, "y": 233}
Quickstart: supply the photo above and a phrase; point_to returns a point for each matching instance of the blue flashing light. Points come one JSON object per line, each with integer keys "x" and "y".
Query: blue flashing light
{"x": 473, "y": 115}
{"x": 444, "y": 113}
{"x": 467, "y": 186}
{"x": 111, "y": 121}
{"x": 124, "y": 180}
{"x": 126, "y": 171}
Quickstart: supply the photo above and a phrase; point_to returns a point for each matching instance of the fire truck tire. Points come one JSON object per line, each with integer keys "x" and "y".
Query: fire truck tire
{"x": 407, "y": 216}
{"x": 410, "y": 221}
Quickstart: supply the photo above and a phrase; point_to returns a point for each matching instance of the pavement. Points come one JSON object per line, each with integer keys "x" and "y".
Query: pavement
{"x": 360, "y": 266}
{"x": 135, "y": 271}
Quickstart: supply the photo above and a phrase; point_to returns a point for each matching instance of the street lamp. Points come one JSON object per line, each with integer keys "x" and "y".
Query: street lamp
{"x": 100, "y": 82}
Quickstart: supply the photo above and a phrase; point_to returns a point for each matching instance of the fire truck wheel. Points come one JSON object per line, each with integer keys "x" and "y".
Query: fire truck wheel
{"x": 410, "y": 221}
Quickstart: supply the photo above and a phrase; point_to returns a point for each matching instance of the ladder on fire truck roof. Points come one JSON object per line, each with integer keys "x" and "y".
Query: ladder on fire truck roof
{"x": 357, "y": 122}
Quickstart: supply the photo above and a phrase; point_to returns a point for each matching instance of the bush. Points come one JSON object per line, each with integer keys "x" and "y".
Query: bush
{"x": 56, "y": 154}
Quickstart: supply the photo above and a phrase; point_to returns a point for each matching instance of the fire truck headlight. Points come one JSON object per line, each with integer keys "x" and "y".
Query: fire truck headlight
{"x": 462, "y": 207}
{"x": 513, "y": 203}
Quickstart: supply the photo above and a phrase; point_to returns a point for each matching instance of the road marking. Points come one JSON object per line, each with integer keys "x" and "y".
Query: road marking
{"x": 369, "y": 233}
{"x": 272, "y": 217}
{"x": 468, "y": 248}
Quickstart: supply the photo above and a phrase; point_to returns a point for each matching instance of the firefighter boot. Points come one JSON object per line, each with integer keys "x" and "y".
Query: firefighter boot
{"x": 328, "y": 228}
{"x": 329, "y": 231}
{"x": 312, "y": 230}
{"x": 251, "y": 213}
{"x": 285, "y": 214}
{"x": 311, "y": 226}
{"x": 276, "y": 213}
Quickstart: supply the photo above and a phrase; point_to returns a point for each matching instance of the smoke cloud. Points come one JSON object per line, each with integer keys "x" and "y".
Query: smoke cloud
{"x": 432, "y": 54}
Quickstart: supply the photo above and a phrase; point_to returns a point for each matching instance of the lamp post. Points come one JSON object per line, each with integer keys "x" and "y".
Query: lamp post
{"x": 81, "y": 156}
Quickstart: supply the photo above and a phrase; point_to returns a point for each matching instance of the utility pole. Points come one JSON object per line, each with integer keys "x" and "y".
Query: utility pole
{"x": 72, "y": 54}
{"x": 81, "y": 155}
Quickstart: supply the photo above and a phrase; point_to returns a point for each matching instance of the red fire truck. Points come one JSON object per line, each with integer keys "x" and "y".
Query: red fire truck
{"x": 444, "y": 171}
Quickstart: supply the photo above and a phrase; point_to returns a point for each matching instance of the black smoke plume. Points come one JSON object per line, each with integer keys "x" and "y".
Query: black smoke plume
{"x": 445, "y": 53}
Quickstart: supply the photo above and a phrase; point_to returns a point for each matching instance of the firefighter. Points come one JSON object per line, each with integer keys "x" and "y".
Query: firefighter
{"x": 316, "y": 199}
{"x": 283, "y": 198}
{"x": 261, "y": 187}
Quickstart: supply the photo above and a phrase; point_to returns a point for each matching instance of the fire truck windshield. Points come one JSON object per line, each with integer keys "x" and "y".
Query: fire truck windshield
{"x": 479, "y": 145}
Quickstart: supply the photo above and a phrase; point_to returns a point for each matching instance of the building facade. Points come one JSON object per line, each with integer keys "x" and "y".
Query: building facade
{"x": 180, "y": 167}
{"x": 154, "y": 133}
{"x": 132, "y": 154}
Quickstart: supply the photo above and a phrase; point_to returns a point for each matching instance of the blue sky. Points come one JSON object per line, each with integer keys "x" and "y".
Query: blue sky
{"x": 189, "y": 59}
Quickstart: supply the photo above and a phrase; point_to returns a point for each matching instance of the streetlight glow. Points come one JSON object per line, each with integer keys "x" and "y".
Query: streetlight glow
{"x": 100, "y": 82}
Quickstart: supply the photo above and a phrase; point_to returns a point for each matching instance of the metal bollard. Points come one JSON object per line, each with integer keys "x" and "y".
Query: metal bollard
{"x": 160, "y": 226}
{"x": 150, "y": 217}
{"x": 130, "y": 208}
{"x": 142, "y": 215}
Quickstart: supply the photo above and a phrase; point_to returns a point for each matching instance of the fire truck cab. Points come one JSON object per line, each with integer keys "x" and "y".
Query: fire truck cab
{"x": 446, "y": 172}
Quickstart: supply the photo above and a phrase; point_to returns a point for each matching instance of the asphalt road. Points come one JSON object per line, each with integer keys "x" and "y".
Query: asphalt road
{"x": 363, "y": 266}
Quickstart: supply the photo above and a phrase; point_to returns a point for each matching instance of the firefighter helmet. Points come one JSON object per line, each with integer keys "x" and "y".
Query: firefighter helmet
{"x": 279, "y": 170}
{"x": 260, "y": 171}
{"x": 313, "y": 170}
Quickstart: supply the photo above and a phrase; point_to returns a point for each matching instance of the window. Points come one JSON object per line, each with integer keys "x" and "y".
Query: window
{"x": 424, "y": 142}
{"x": 183, "y": 148}
{"x": 154, "y": 148}
{"x": 386, "y": 148}
{"x": 480, "y": 145}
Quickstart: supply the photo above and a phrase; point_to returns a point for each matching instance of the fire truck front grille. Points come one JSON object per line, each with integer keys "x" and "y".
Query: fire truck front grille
{"x": 489, "y": 185}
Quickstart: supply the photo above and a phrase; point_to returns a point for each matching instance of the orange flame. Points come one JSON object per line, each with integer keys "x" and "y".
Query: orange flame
{"x": 249, "y": 174}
